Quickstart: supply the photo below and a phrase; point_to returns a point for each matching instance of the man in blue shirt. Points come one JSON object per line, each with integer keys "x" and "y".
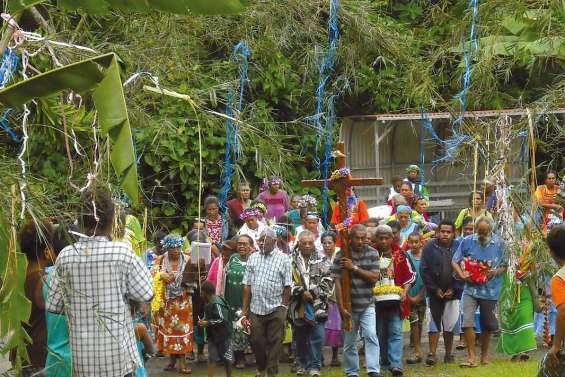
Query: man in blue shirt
{"x": 486, "y": 247}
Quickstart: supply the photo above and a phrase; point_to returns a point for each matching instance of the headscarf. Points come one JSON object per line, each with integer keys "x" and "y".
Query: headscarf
{"x": 403, "y": 208}
{"x": 412, "y": 168}
{"x": 174, "y": 289}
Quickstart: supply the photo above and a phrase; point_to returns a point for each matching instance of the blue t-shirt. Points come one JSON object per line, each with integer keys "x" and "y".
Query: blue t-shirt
{"x": 494, "y": 254}
{"x": 404, "y": 233}
{"x": 419, "y": 283}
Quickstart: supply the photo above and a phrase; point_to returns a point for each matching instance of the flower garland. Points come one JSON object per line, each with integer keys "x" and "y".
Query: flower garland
{"x": 172, "y": 242}
{"x": 250, "y": 212}
{"x": 340, "y": 173}
{"x": 159, "y": 291}
{"x": 387, "y": 290}
{"x": 307, "y": 201}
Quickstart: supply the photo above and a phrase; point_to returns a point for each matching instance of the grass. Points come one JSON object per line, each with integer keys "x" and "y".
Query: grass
{"x": 498, "y": 368}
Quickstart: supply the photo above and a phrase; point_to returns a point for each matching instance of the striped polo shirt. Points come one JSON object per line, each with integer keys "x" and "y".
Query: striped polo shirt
{"x": 361, "y": 290}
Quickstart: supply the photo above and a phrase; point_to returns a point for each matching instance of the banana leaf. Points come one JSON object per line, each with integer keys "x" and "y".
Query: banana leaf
{"x": 99, "y": 76}
{"x": 171, "y": 6}
{"x": 15, "y": 308}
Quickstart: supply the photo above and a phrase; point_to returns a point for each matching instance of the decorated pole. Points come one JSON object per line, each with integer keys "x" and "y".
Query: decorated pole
{"x": 340, "y": 183}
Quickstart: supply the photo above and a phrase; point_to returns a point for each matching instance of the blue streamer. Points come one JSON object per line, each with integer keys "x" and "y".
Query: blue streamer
{"x": 453, "y": 143}
{"x": 232, "y": 148}
{"x": 326, "y": 106}
{"x": 8, "y": 66}
{"x": 6, "y": 126}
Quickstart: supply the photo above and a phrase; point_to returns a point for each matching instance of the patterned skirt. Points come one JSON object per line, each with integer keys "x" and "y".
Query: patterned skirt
{"x": 174, "y": 326}
{"x": 334, "y": 335}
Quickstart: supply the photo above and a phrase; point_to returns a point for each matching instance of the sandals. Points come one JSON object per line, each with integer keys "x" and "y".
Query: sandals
{"x": 170, "y": 368}
{"x": 414, "y": 360}
{"x": 431, "y": 359}
{"x": 468, "y": 364}
{"x": 185, "y": 371}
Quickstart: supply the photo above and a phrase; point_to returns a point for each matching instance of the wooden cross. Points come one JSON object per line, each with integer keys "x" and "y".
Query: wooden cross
{"x": 340, "y": 186}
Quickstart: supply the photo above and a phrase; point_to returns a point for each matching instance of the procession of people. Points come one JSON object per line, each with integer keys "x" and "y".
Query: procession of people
{"x": 259, "y": 279}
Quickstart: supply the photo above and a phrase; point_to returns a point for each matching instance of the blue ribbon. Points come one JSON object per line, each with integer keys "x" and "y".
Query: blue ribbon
{"x": 6, "y": 126}
{"x": 8, "y": 66}
{"x": 453, "y": 143}
{"x": 232, "y": 148}
{"x": 326, "y": 106}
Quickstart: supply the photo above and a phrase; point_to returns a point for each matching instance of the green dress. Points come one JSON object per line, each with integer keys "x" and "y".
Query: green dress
{"x": 233, "y": 295}
{"x": 516, "y": 320}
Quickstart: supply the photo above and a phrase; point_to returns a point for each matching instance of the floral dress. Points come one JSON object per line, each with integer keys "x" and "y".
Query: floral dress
{"x": 173, "y": 321}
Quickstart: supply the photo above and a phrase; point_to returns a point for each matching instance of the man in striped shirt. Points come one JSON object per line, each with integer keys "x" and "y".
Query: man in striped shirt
{"x": 266, "y": 294}
{"x": 363, "y": 267}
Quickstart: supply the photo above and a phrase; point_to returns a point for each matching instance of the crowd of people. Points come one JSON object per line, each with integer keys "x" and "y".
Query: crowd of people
{"x": 272, "y": 286}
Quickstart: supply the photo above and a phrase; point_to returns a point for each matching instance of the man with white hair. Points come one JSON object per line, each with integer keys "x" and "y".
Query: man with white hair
{"x": 266, "y": 295}
{"x": 488, "y": 249}
{"x": 311, "y": 288}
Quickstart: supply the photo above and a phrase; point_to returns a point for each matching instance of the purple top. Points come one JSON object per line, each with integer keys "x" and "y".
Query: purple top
{"x": 277, "y": 205}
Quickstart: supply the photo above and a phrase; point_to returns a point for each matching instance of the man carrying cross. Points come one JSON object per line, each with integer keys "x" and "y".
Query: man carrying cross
{"x": 355, "y": 272}
{"x": 363, "y": 267}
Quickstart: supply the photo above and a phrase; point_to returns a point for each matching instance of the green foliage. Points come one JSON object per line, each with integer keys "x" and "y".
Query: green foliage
{"x": 15, "y": 308}
{"x": 392, "y": 57}
{"x": 100, "y": 7}
{"x": 108, "y": 98}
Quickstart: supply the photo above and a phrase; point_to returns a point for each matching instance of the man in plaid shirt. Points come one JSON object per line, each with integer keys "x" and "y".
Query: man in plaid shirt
{"x": 93, "y": 283}
{"x": 266, "y": 294}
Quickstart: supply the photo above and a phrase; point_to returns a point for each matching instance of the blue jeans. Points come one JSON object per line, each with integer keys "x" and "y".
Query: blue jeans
{"x": 310, "y": 345}
{"x": 366, "y": 321}
{"x": 389, "y": 331}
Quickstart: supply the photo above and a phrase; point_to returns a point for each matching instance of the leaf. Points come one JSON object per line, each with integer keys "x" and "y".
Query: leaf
{"x": 514, "y": 25}
{"x": 15, "y": 6}
{"x": 101, "y": 75}
{"x": 98, "y": 7}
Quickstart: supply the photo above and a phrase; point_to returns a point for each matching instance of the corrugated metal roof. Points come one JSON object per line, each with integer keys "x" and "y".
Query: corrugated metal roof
{"x": 447, "y": 115}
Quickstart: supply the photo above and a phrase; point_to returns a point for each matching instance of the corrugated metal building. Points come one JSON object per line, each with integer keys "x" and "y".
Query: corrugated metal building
{"x": 384, "y": 145}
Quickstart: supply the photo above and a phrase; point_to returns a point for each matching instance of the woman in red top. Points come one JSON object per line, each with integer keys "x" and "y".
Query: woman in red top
{"x": 238, "y": 204}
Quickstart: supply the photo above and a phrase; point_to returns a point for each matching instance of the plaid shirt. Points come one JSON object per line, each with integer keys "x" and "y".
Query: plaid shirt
{"x": 93, "y": 281}
{"x": 268, "y": 275}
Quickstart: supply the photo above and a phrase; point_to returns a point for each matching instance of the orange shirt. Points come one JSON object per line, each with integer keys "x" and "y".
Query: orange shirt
{"x": 558, "y": 291}
{"x": 358, "y": 215}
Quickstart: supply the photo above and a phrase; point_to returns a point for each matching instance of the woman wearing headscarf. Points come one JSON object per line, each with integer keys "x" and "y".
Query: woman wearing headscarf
{"x": 275, "y": 198}
{"x": 414, "y": 177}
{"x": 171, "y": 304}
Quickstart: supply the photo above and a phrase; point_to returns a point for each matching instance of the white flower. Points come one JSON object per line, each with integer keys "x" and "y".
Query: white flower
{"x": 175, "y": 319}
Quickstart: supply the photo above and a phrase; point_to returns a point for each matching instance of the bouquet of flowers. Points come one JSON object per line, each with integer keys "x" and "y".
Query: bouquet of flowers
{"x": 242, "y": 323}
{"x": 477, "y": 270}
{"x": 525, "y": 262}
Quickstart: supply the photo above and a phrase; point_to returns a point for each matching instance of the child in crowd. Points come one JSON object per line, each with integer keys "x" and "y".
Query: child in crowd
{"x": 219, "y": 328}
{"x": 145, "y": 347}
{"x": 394, "y": 265}
{"x": 416, "y": 296}
{"x": 395, "y": 188}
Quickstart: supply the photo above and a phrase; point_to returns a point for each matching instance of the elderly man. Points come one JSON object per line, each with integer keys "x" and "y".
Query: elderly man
{"x": 444, "y": 291}
{"x": 266, "y": 295}
{"x": 311, "y": 287}
{"x": 485, "y": 247}
{"x": 363, "y": 268}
